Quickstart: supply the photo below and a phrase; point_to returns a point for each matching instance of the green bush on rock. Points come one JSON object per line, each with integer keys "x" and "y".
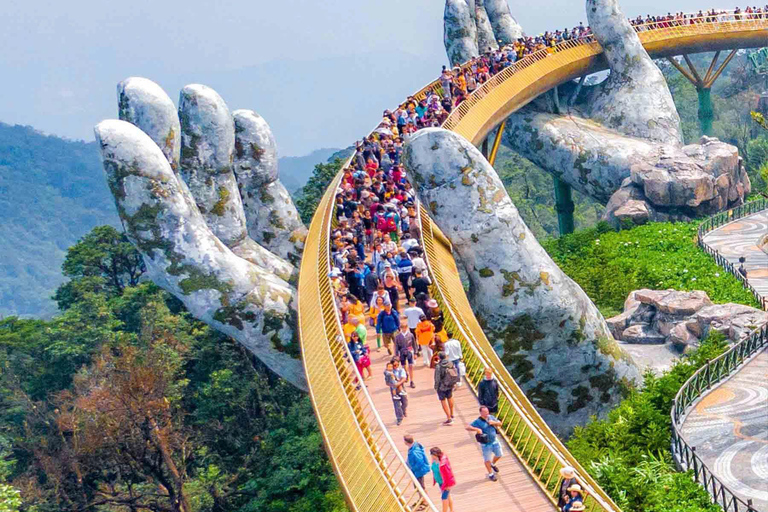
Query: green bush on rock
{"x": 608, "y": 264}
{"x": 628, "y": 452}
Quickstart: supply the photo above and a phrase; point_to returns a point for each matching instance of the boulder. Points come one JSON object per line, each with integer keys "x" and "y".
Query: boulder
{"x": 681, "y": 319}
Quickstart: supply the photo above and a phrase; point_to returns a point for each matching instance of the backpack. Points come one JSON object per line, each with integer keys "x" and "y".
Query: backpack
{"x": 450, "y": 377}
{"x": 483, "y": 438}
{"x": 391, "y": 224}
{"x": 381, "y": 223}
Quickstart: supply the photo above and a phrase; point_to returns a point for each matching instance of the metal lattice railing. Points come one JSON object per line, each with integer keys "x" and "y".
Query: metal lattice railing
{"x": 539, "y": 450}
{"x": 368, "y": 465}
{"x": 715, "y": 371}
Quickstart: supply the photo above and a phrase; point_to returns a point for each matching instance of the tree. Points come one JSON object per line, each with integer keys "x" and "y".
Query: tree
{"x": 103, "y": 259}
{"x": 310, "y": 194}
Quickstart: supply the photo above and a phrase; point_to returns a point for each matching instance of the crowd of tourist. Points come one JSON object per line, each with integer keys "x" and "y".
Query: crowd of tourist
{"x": 380, "y": 279}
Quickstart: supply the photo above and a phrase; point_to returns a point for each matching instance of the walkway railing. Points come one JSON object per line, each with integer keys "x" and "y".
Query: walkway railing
{"x": 539, "y": 450}
{"x": 716, "y": 371}
{"x": 369, "y": 467}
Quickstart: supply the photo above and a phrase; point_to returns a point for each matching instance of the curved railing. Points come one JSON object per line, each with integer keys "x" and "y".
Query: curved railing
{"x": 369, "y": 467}
{"x": 515, "y": 86}
{"x": 539, "y": 450}
{"x": 716, "y": 371}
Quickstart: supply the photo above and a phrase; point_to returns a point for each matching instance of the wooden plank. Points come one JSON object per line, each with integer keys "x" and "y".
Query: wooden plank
{"x": 515, "y": 490}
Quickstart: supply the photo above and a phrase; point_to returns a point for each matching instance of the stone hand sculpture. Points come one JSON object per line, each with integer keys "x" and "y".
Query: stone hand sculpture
{"x": 620, "y": 142}
{"x": 198, "y": 194}
{"x": 550, "y": 335}
{"x": 477, "y": 25}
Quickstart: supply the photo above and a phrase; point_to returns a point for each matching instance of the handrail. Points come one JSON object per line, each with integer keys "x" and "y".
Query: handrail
{"x": 539, "y": 450}
{"x": 369, "y": 467}
{"x": 474, "y": 117}
{"x": 716, "y": 370}
{"x": 367, "y": 463}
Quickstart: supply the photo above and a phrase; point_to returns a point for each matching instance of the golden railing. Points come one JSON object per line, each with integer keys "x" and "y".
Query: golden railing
{"x": 368, "y": 464}
{"x": 539, "y": 450}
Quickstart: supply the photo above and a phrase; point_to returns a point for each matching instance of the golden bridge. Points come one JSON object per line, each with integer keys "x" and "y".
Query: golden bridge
{"x": 364, "y": 447}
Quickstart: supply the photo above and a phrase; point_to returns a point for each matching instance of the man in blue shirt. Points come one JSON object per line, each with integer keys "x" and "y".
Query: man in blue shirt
{"x": 388, "y": 323}
{"x": 486, "y": 424}
{"x": 417, "y": 458}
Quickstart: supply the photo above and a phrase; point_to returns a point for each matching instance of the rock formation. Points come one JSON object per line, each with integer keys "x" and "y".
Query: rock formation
{"x": 550, "y": 336}
{"x": 173, "y": 179}
{"x": 473, "y": 26}
{"x": 621, "y": 141}
{"x": 682, "y": 319}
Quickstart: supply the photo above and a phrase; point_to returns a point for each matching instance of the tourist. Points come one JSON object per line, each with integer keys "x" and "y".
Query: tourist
{"x": 373, "y": 314}
{"x": 442, "y": 475}
{"x": 404, "y": 350}
{"x": 574, "y": 499}
{"x": 413, "y": 315}
{"x": 425, "y": 336}
{"x": 568, "y": 479}
{"x": 452, "y": 349}
{"x": 488, "y": 392}
{"x": 417, "y": 459}
{"x": 484, "y": 428}
{"x": 359, "y": 353}
{"x": 396, "y": 392}
{"x": 388, "y": 323}
{"x": 446, "y": 377}
{"x": 404, "y": 268}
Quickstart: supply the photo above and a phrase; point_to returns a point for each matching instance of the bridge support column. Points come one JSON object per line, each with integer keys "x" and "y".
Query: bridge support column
{"x": 703, "y": 86}
{"x": 564, "y": 206}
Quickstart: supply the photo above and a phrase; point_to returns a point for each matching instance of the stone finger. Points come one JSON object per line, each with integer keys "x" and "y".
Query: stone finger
{"x": 544, "y": 325}
{"x": 635, "y": 98}
{"x": 505, "y": 27}
{"x": 271, "y": 217}
{"x": 145, "y": 104}
{"x": 485, "y": 38}
{"x": 184, "y": 257}
{"x": 460, "y": 32}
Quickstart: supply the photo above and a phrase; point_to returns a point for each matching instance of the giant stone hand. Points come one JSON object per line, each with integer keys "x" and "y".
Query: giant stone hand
{"x": 199, "y": 197}
{"x": 621, "y": 142}
{"x": 548, "y": 333}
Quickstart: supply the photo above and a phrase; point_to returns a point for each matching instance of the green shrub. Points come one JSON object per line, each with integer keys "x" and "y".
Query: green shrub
{"x": 628, "y": 451}
{"x": 608, "y": 264}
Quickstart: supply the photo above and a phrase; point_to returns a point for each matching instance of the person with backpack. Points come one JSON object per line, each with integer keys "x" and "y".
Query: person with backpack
{"x": 404, "y": 267}
{"x": 417, "y": 459}
{"x": 488, "y": 392}
{"x": 484, "y": 428}
{"x": 443, "y": 476}
{"x": 452, "y": 349}
{"x": 404, "y": 342}
{"x": 446, "y": 377}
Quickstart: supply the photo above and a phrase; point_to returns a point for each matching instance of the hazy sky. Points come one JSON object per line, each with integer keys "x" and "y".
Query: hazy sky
{"x": 294, "y": 61}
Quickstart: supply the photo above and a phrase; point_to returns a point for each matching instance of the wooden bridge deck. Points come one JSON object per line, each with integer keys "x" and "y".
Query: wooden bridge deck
{"x": 514, "y": 491}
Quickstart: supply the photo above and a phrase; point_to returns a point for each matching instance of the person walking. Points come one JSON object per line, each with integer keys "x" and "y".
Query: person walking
{"x": 417, "y": 459}
{"x": 413, "y": 314}
{"x": 484, "y": 428}
{"x": 488, "y": 392}
{"x": 575, "y": 499}
{"x": 404, "y": 350}
{"x": 452, "y": 349}
{"x": 388, "y": 323}
{"x": 425, "y": 334}
{"x": 442, "y": 475}
{"x": 446, "y": 378}
{"x": 395, "y": 387}
{"x": 404, "y": 268}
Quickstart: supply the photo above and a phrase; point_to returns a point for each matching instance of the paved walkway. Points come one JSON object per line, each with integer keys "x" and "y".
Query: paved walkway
{"x": 740, "y": 238}
{"x": 515, "y": 490}
{"x": 729, "y": 428}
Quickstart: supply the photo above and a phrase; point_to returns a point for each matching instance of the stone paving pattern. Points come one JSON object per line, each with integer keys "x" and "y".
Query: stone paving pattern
{"x": 729, "y": 426}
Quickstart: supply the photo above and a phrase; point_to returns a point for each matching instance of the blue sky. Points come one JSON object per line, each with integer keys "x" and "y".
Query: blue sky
{"x": 319, "y": 71}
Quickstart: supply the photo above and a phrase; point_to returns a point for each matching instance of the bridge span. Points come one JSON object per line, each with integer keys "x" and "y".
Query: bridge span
{"x": 364, "y": 448}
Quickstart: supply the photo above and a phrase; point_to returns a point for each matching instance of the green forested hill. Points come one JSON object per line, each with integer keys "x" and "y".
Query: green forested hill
{"x": 52, "y": 192}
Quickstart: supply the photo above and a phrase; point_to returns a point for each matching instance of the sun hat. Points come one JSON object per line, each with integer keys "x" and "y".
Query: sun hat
{"x": 567, "y": 472}
{"x": 575, "y": 488}
{"x": 431, "y": 303}
{"x": 577, "y": 506}
{"x": 334, "y": 273}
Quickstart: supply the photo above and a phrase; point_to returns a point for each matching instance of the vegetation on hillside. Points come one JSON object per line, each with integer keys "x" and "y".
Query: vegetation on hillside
{"x": 628, "y": 452}
{"x": 609, "y": 264}
{"x": 124, "y": 402}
